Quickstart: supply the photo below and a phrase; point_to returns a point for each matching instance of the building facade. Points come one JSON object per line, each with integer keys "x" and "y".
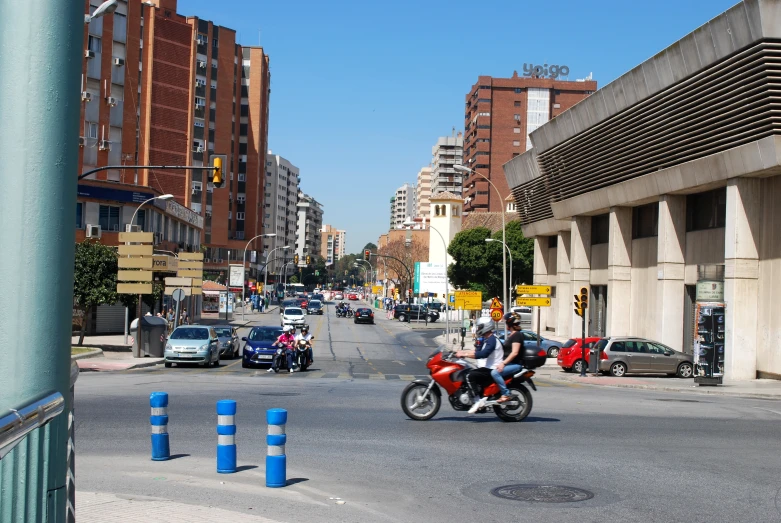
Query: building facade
{"x": 332, "y": 244}
{"x": 448, "y": 151}
{"x": 423, "y": 192}
{"x": 281, "y": 210}
{"x": 691, "y": 215}
{"x": 403, "y": 205}
{"x": 309, "y": 224}
{"x": 500, "y": 114}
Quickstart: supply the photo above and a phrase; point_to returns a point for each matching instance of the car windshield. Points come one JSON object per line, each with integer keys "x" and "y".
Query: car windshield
{"x": 601, "y": 344}
{"x": 189, "y": 333}
{"x": 569, "y": 343}
{"x": 363, "y": 310}
{"x": 223, "y": 332}
{"x": 264, "y": 334}
{"x": 314, "y": 303}
{"x": 294, "y": 312}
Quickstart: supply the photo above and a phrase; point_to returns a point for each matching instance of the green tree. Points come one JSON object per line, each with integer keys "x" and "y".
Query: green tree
{"x": 95, "y": 278}
{"x": 293, "y": 279}
{"x": 370, "y": 246}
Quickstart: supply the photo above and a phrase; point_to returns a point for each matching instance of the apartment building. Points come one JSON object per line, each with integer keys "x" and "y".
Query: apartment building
{"x": 403, "y": 205}
{"x": 332, "y": 244}
{"x": 500, "y": 114}
{"x": 448, "y": 152}
{"x": 310, "y": 222}
{"x": 423, "y": 192}
{"x": 280, "y": 209}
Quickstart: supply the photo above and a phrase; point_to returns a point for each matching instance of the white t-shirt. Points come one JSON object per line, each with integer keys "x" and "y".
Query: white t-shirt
{"x": 493, "y": 359}
{"x": 306, "y": 337}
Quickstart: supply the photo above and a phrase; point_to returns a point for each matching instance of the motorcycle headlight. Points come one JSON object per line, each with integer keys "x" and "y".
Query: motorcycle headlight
{"x": 279, "y": 351}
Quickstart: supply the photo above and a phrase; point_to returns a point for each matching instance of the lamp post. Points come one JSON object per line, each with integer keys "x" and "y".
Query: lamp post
{"x": 366, "y": 274}
{"x": 510, "y": 254}
{"x": 265, "y": 269}
{"x": 504, "y": 227}
{"x": 243, "y": 262}
{"x": 284, "y": 272}
{"x": 107, "y": 7}
{"x": 133, "y": 218}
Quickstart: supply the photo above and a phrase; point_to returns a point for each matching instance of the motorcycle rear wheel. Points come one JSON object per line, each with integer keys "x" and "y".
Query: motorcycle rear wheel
{"x": 423, "y": 412}
{"x": 518, "y": 407}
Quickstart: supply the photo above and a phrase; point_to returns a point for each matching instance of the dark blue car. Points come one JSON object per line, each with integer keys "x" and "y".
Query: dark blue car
{"x": 259, "y": 349}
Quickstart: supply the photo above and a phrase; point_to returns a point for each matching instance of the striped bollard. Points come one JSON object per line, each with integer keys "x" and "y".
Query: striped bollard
{"x": 226, "y": 436}
{"x": 161, "y": 449}
{"x": 276, "y": 461}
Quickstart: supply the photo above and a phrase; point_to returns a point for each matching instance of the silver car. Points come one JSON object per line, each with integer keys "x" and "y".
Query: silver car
{"x": 627, "y": 355}
{"x": 229, "y": 341}
{"x": 193, "y": 344}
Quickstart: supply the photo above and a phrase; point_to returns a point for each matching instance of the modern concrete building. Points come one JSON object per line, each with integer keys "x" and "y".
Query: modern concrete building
{"x": 448, "y": 151}
{"x": 500, "y": 113}
{"x": 666, "y": 179}
{"x": 309, "y": 224}
{"x": 402, "y": 205}
{"x": 423, "y": 192}
{"x": 332, "y": 244}
{"x": 281, "y": 210}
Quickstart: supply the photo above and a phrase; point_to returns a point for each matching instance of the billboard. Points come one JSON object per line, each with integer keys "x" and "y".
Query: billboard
{"x": 236, "y": 278}
{"x": 430, "y": 277}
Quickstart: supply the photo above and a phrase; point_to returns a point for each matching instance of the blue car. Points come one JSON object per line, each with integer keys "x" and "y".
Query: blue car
{"x": 259, "y": 349}
{"x": 530, "y": 339}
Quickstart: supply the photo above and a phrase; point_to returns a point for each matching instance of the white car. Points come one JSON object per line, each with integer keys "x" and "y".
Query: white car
{"x": 293, "y": 316}
{"x": 339, "y": 297}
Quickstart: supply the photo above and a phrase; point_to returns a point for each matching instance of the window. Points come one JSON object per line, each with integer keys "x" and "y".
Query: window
{"x": 617, "y": 346}
{"x": 645, "y": 221}
{"x": 91, "y": 130}
{"x": 516, "y": 143}
{"x": 94, "y": 44}
{"x": 517, "y": 117}
{"x": 517, "y": 130}
{"x": 517, "y": 103}
{"x": 79, "y": 215}
{"x": 600, "y": 229}
{"x": 141, "y": 219}
{"x": 483, "y": 114}
{"x": 518, "y": 90}
{"x": 108, "y": 218}
{"x": 707, "y": 210}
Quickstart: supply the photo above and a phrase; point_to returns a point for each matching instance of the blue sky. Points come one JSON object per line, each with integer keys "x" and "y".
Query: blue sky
{"x": 361, "y": 90}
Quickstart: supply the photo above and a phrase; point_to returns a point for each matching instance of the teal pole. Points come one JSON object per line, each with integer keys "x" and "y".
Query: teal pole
{"x": 41, "y": 57}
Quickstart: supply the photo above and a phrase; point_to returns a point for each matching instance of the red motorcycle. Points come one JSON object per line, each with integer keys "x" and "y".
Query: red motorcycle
{"x": 421, "y": 399}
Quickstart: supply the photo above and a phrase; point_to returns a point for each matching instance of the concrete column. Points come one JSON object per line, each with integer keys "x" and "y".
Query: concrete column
{"x": 580, "y": 266}
{"x": 619, "y": 268}
{"x": 741, "y": 273}
{"x": 563, "y": 294}
{"x": 670, "y": 262}
{"x": 540, "y": 277}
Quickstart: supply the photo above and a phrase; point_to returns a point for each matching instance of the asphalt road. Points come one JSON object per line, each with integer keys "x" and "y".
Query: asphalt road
{"x": 645, "y": 456}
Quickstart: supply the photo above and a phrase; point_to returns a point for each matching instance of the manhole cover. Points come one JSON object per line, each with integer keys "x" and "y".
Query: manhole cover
{"x": 542, "y": 493}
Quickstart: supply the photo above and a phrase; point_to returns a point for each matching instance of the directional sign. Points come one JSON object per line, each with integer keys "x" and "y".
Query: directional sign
{"x": 533, "y": 289}
{"x": 134, "y": 288}
{"x": 178, "y": 282}
{"x": 170, "y": 291}
{"x": 469, "y": 300}
{"x": 496, "y": 314}
{"x": 145, "y": 276}
{"x": 190, "y": 273}
{"x": 194, "y": 256}
{"x": 190, "y": 264}
{"x": 135, "y": 250}
{"x": 135, "y": 263}
{"x": 533, "y": 302}
{"x": 165, "y": 263}
{"x": 496, "y": 304}
{"x": 136, "y": 237}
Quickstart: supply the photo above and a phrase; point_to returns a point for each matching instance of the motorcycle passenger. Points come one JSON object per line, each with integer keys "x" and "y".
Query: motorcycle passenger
{"x": 287, "y": 341}
{"x": 488, "y": 355}
{"x": 511, "y": 363}
{"x": 304, "y": 335}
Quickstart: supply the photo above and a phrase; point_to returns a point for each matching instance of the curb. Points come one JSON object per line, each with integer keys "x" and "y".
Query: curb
{"x": 91, "y": 354}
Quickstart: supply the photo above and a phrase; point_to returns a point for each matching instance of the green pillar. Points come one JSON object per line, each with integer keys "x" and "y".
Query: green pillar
{"x": 41, "y": 56}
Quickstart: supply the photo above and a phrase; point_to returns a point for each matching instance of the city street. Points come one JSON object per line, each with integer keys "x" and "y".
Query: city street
{"x": 644, "y": 455}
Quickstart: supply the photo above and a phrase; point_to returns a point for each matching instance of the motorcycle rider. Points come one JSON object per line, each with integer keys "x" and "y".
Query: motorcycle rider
{"x": 304, "y": 335}
{"x": 511, "y": 362}
{"x": 287, "y": 341}
{"x": 489, "y": 354}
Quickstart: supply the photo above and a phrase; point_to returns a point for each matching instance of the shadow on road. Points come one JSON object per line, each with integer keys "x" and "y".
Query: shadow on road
{"x": 245, "y": 467}
{"x": 293, "y": 481}
{"x": 177, "y": 456}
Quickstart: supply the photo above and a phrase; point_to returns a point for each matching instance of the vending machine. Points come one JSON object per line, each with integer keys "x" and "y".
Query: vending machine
{"x": 709, "y": 343}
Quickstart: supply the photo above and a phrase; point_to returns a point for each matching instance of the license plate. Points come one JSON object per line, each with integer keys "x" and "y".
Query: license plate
{"x": 185, "y": 355}
{"x": 265, "y": 356}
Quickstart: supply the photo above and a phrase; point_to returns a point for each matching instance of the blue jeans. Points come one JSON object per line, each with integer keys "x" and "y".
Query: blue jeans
{"x": 499, "y": 378}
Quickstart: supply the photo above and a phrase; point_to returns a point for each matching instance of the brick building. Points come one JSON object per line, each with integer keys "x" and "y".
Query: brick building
{"x": 499, "y": 115}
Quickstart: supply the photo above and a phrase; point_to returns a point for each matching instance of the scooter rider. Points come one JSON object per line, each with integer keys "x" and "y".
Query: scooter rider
{"x": 488, "y": 355}
{"x": 304, "y": 335}
{"x": 287, "y": 340}
{"x": 510, "y": 364}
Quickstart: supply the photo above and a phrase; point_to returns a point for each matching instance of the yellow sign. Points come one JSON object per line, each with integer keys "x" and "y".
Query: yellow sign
{"x": 469, "y": 300}
{"x": 134, "y": 276}
{"x": 376, "y": 289}
{"x": 136, "y": 237}
{"x": 533, "y": 302}
{"x": 193, "y": 256}
{"x": 135, "y": 263}
{"x": 496, "y": 304}
{"x": 533, "y": 289}
{"x": 135, "y": 250}
{"x": 134, "y": 288}
{"x": 496, "y": 314}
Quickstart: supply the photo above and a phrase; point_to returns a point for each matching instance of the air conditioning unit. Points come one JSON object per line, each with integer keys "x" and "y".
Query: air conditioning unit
{"x": 219, "y": 261}
{"x": 93, "y": 231}
{"x": 85, "y": 96}
{"x": 132, "y": 228}
{"x": 82, "y": 141}
{"x": 119, "y": 61}
{"x": 104, "y": 145}
{"x": 201, "y": 63}
{"x": 89, "y": 54}
{"x": 199, "y": 149}
{"x": 111, "y": 101}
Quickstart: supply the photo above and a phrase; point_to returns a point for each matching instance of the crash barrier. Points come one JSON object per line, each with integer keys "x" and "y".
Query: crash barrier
{"x": 276, "y": 460}
{"x": 226, "y": 436}
{"x": 161, "y": 450}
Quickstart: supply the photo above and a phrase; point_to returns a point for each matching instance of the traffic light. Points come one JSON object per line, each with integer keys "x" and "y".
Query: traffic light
{"x": 295, "y": 259}
{"x": 217, "y": 176}
{"x": 308, "y": 259}
{"x": 367, "y": 255}
{"x": 581, "y": 302}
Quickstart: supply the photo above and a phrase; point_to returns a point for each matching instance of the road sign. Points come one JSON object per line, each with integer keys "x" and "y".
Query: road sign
{"x": 533, "y": 289}
{"x": 137, "y": 237}
{"x": 496, "y": 304}
{"x": 178, "y": 282}
{"x": 178, "y": 294}
{"x": 135, "y": 250}
{"x": 145, "y": 276}
{"x": 135, "y": 263}
{"x": 236, "y": 278}
{"x": 194, "y": 256}
{"x": 165, "y": 263}
{"x": 496, "y": 314}
{"x": 184, "y": 264}
{"x": 469, "y": 300}
{"x": 452, "y": 298}
{"x": 185, "y": 273}
{"x": 533, "y": 302}
{"x": 134, "y": 288}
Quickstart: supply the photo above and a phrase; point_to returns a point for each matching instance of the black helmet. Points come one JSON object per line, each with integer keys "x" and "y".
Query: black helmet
{"x": 304, "y": 329}
{"x": 513, "y": 319}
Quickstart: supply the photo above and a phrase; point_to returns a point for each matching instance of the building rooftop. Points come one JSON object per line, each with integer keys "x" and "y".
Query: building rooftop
{"x": 446, "y": 196}
{"x": 490, "y": 220}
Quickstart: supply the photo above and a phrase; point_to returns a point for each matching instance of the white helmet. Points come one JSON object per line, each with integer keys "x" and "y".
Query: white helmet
{"x": 484, "y": 325}
{"x": 288, "y": 328}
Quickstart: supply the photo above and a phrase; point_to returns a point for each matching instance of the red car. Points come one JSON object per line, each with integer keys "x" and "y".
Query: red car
{"x": 353, "y": 297}
{"x": 571, "y": 354}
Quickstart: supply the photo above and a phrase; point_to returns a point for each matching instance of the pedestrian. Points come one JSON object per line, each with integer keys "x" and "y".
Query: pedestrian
{"x": 262, "y": 303}
{"x": 185, "y": 317}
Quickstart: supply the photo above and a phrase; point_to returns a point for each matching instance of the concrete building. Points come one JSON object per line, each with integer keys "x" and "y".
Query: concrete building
{"x": 281, "y": 210}
{"x": 309, "y": 224}
{"x": 332, "y": 244}
{"x": 448, "y": 151}
{"x": 664, "y": 180}
{"x": 445, "y": 217}
{"x": 423, "y": 192}
{"x": 500, "y": 113}
{"x": 402, "y": 205}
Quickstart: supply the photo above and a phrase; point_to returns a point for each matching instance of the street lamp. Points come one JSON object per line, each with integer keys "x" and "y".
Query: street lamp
{"x": 162, "y": 197}
{"x": 510, "y": 254}
{"x": 106, "y": 8}
{"x": 366, "y": 275}
{"x": 265, "y": 269}
{"x": 244, "y": 262}
{"x": 284, "y": 272}
{"x": 464, "y": 169}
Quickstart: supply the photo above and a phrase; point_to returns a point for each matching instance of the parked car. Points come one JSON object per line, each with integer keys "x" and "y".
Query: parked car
{"x": 314, "y": 307}
{"x": 229, "y": 340}
{"x": 551, "y": 347}
{"x": 192, "y": 344}
{"x": 620, "y": 356}
{"x": 293, "y": 316}
{"x": 338, "y": 296}
{"x": 259, "y": 349}
{"x": 571, "y": 356}
{"x": 363, "y": 315}
{"x": 525, "y": 313}
{"x": 415, "y": 312}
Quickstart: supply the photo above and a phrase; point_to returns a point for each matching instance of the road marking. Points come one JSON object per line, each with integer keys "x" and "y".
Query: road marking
{"x": 406, "y": 377}
{"x": 379, "y": 376}
{"x": 315, "y": 374}
{"x": 344, "y": 375}
{"x": 226, "y": 367}
{"x": 418, "y": 358}
{"x": 768, "y": 410}
{"x": 410, "y": 351}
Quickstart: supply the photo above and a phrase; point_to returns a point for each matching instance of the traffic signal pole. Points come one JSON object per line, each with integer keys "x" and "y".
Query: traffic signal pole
{"x": 41, "y": 57}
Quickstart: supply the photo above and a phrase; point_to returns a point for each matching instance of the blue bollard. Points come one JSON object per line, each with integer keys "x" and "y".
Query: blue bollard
{"x": 226, "y": 436}
{"x": 276, "y": 461}
{"x": 161, "y": 449}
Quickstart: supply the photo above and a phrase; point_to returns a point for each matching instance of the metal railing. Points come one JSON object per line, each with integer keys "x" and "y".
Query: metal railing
{"x": 18, "y": 423}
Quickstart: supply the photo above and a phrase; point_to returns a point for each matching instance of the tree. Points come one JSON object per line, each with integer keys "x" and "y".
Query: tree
{"x": 293, "y": 279}
{"x": 94, "y": 278}
{"x": 409, "y": 254}
{"x": 369, "y": 246}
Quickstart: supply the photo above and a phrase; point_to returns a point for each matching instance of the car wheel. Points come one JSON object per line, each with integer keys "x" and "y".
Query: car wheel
{"x": 244, "y": 364}
{"x": 167, "y": 364}
{"x": 618, "y": 370}
{"x": 429, "y": 319}
{"x": 402, "y": 317}
{"x": 553, "y": 352}
{"x": 685, "y": 370}
{"x": 576, "y": 366}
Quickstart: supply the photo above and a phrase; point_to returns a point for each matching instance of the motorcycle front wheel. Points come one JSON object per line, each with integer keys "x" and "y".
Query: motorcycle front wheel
{"x": 415, "y": 406}
{"x": 517, "y": 407}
